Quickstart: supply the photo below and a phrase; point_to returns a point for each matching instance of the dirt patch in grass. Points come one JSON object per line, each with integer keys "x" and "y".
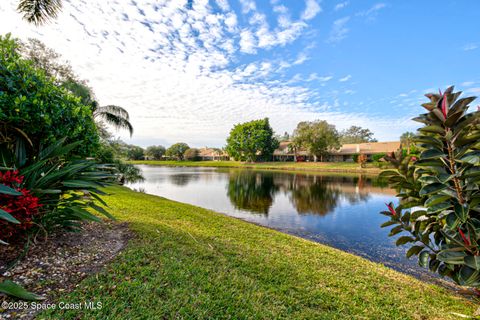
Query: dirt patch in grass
{"x": 57, "y": 264}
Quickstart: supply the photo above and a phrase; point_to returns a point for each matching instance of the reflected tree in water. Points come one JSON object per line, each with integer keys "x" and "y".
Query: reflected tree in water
{"x": 183, "y": 179}
{"x": 251, "y": 191}
{"x": 314, "y": 195}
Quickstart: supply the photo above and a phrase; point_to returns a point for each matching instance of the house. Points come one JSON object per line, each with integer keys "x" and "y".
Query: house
{"x": 286, "y": 152}
{"x": 346, "y": 151}
{"x": 212, "y": 154}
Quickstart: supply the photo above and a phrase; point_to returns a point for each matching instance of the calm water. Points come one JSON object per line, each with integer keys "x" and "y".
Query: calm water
{"x": 341, "y": 211}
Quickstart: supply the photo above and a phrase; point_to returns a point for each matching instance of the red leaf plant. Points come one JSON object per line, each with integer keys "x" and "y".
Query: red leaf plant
{"x": 23, "y": 208}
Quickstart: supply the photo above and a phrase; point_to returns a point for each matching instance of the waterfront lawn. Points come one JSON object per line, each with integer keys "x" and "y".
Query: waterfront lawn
{"x": 289, "y": 166}
{"x": 192, "y": 263}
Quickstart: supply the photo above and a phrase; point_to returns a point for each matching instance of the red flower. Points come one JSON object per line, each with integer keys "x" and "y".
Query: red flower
{"x": 414, "y": 159}
{"x": 391, "y": 209}
{"x": 23, "y": 208}
{"x": 465, "y": 240}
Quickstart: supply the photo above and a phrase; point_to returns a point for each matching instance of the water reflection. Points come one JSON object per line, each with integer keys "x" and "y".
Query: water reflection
{"x": 309, "y": 194}
{"x": 251, "y": 191}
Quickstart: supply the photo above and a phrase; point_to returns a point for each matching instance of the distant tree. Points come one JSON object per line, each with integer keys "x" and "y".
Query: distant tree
{"x": 177, "y": 150}
{"x": 252, "y": 141}
{"x": 156, "y": 152}
{"x": 356, "y": 134}
{"x": 191, "y": 154}
{"x": 406, "y": 140}
{"x": 318, "y": 137}
{"x": 135, "y": 153}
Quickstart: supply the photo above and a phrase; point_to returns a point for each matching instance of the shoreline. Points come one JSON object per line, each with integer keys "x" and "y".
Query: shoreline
{"x": 303, "y": 167}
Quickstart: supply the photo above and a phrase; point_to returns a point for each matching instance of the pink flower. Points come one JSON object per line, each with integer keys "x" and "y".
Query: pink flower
{"x": 391, "y": 209}
{"x": 414, "y": 159}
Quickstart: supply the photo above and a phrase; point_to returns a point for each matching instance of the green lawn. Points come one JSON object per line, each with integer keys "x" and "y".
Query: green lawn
{"x": 191, "y": 263}
{"x": 290, "y": 166}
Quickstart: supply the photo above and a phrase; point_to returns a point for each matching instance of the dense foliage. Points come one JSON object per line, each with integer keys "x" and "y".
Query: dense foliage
{"x": 252, "y": 141}
{"x": 34, "y": 112}
{"x": 191, "y": 154}
{"x": 318, "y": 137}
{"x": 356, "y": 134}
{"x": 177, "y": 150}
{"x": 155, "y": 152}
{"x": 439, "y": 191}
{"x": 135, "y": 153}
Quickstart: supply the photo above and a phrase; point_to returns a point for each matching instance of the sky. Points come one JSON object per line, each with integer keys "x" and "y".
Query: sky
{"x": 188, "y": 70}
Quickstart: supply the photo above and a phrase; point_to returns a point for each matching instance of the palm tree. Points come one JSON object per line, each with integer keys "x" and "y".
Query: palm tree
{"x": 113, "y": 115}
{"x": 39, "y": 11}
{"x": 406, "y": 139}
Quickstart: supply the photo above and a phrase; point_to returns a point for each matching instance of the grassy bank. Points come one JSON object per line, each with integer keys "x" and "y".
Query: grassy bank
{"x": 288, "y": 166}
{"x": 191, "y": 263}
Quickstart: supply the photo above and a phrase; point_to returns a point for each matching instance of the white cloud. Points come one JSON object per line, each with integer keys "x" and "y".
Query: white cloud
{"x": 470, "y": 47}
{"x": 248, "y": 5}
{"x": 247, "y": 42}
{"x": 468, "y": 83}
{"x": 473, "y": 90}
{"x": 311, "y": 10}
{"x": 341, "y": 5}
{"x": 339, "y": 30}
{"x": 346, "y": 78}
{"x": 373, "y": 11}
{"x": 176, "y": 70}
{"x": 223, "y": 4}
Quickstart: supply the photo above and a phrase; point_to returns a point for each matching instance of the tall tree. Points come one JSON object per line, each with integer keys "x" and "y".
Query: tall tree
{"x": 318, "y": 137}
{"x": 113, "y": 115}
{"x": 406, "y": 139}
{"x": 156, "y": 152}
{"x": 252, "y": 141}
{"x": 39, "y": 11}
{"x": 177, "y": 150}
{"x": 356, "y": 134}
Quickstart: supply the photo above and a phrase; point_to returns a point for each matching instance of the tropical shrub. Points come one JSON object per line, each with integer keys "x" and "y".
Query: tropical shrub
{"x": 355, "y": 157}
{"x": 53, "y": 192}
{"x": 34, "y": 112}
{"x": 124, "y": 172}
{"x": 378, "y": 156}
{"x": 439, "y": 191}
{"x": 362, "y": 160}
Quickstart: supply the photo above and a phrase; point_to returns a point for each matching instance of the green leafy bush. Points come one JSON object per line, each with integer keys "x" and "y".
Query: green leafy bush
{"x": 378, "y": 156}
{"x": 34, "y": 112}
{"x": 439, "y": 191}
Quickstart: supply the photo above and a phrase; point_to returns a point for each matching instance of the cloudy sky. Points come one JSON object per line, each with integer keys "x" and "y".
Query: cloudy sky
{"x": 187, "y": 70}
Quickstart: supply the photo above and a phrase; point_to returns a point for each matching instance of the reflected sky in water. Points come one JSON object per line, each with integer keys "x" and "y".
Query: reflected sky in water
{"x": 341, "y": 211}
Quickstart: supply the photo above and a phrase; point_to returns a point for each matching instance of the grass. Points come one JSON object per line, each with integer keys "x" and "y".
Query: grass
{"x": 288, "y": 166}
{"x": 191, "y": 263}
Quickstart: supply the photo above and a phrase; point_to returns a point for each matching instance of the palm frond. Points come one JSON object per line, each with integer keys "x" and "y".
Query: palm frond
{"x": 112, "y": 109}
{"x": 115, "y": 120}
{"x": 39, "y": 11}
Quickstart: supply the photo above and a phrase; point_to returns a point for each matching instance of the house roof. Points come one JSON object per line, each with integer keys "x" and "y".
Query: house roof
{"x": 346, "y": 149}
{"x": 368, "y": 148}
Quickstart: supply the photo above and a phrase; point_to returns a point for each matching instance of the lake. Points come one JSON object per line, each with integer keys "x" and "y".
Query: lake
{"x": 340, "y": 211}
